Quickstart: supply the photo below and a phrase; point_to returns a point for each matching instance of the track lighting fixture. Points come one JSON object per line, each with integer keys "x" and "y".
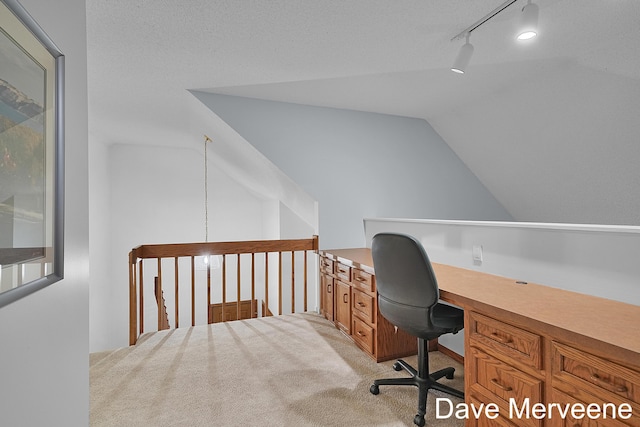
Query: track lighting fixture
{"x": 528, "y": 30}
{"x": 529, "y": 23}
{"x": 463, "y": 58}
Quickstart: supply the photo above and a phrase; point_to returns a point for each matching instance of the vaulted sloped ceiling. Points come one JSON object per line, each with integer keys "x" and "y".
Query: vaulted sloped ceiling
{"x": 550, "y": 127}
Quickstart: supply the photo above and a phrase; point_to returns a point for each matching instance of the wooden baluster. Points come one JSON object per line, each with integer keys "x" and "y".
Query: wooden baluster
{"x": 238, "y": 317}
{"x": 293, "y": 282}
{"x": 305, "y": 282}
{"x": 280, "y": 283}
{"x": 133, "y": 299}
{"x": 19, "y": 278}
{"x": 253, "y": 283}
{"x": 176, "y": 279}
{"x": 266, "y": 284}
{"x": 141, "y": 286}
{"x": 193, "y": 291}
{"x": 209, "y": 312}
{"x": 224, "y": 284}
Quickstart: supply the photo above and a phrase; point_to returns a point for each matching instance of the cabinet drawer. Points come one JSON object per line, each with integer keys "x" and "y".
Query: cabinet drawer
{"x": 363, "y": 305}
{"x": 362, "y": 280}
{"x": 483, "y": 421}
{"x": 513, "y": 342}
{"x": 363, "y": 334}
{"x": 326, "y": 265}
{"x": 343, "y": 272}
{"x": 567, "y": 419}
{"x": 492, "y": 377}
{"x": 596, "y": 375}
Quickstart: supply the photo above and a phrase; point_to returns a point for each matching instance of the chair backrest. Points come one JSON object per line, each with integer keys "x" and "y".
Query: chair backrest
{"x": 406, "y": 284}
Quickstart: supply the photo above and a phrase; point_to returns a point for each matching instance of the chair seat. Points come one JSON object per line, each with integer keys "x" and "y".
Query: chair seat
{"x": 447, "y": 317}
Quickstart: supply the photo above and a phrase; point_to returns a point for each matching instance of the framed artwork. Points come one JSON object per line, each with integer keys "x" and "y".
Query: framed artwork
{"x": 31, "y": 155}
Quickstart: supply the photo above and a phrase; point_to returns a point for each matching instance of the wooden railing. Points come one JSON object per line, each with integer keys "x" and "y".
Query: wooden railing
{"x": 151, "y": 260}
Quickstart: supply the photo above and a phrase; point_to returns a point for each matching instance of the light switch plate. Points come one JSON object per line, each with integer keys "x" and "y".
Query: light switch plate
{"x": 477, "y": 253}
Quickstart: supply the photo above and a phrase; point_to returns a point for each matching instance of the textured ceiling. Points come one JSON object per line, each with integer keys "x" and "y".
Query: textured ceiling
{"x": 550, "y": 126}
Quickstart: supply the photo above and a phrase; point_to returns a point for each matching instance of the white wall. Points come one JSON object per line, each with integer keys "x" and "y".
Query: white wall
{"x": 102, "y": 289}
{"x": 44, "y": 358}
{"x": 358, "y": 164}
{"x": 595, "y": 260}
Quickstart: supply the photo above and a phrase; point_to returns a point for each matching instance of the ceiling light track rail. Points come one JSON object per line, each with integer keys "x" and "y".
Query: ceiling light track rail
{"x": 484, "y": 19}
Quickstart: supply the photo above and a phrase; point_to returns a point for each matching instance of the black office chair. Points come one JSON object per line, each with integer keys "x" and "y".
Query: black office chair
{"x": 408, "y": 297}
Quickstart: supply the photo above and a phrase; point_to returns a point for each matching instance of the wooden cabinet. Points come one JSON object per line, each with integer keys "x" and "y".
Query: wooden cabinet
{"x": 349, "y": 299}
{"x": 506, "y": 364}
{"x": 525, "y": 344}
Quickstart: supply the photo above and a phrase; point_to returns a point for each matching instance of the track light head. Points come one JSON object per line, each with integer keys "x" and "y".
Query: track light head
{"x": 463, "y": 58}
{"x": 529, "y": 23}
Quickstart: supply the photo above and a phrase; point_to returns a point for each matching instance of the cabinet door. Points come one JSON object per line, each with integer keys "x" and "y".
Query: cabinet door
{"x": 343, "y": 306}
{"x": 327, "y": 297}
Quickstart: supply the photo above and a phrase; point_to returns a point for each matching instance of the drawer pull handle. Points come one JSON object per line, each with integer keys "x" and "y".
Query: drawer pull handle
{"x": 618, "y": 388}
{"x": 497, "y": 384}
{"x": 361, "y": 279}
{"x": 342, "y": 271}
{"x": 501, "y": 339}
{"x": 328, "y": 289}
{"x": 360, "y": 334}
{"x": 361, "y": 304}
{"x": 345, "y": 298}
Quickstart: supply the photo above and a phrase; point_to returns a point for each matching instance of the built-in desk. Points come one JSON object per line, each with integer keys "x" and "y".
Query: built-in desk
{"x": 526, "y": 340}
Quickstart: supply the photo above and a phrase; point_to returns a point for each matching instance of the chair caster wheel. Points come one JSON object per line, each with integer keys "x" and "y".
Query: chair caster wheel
{"x": 419, "y": 420}
{"x": 449, "y": 376}
{"x": 397, "y": 367}
{"x": 374, "y": 389}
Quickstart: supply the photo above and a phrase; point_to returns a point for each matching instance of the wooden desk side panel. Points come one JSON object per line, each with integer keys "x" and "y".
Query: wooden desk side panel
{"x": 391, "y": 343}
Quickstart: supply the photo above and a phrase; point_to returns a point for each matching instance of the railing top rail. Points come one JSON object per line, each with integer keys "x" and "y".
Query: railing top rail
{"x": 220, "y": 248}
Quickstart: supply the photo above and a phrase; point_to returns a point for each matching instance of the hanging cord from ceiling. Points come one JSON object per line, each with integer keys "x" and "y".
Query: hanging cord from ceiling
{"x": 206, "y": 190}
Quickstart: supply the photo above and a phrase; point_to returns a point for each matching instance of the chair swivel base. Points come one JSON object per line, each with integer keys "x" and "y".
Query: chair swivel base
{"x": 423, "y": 384}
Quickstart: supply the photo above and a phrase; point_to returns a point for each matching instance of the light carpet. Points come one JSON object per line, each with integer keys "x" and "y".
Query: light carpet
{"x": 292, "y": 370}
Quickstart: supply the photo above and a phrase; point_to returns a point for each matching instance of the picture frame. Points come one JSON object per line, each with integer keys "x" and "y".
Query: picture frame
{"x": 31, "y": 156}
